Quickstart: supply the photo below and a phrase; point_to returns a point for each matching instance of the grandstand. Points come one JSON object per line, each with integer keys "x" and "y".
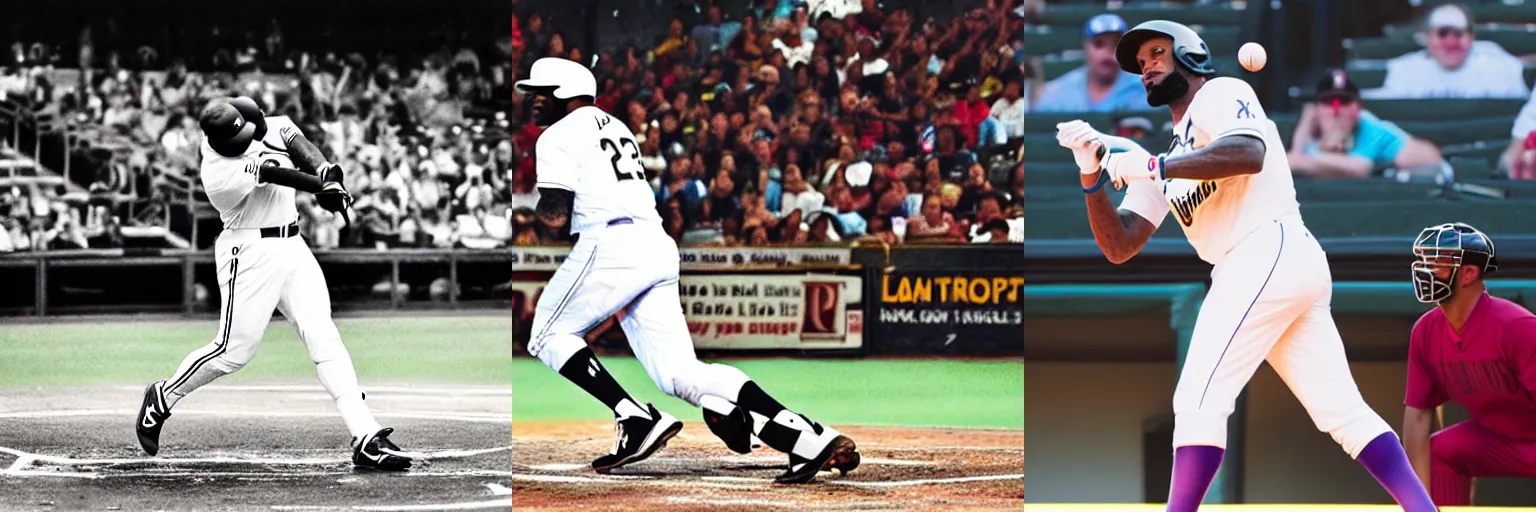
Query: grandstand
{"x": 806, "y": 136}
{"x": 100, "y": 98}
{"x": 1089, "y": 319}
{"x": 1472, "y": 134}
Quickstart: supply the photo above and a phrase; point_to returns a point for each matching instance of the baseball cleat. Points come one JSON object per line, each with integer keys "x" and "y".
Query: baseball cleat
{"x": 638, "y": 438}
{"x": 735, "y": 429}
{"x": 375, "y": 451}
{"x": 152, "y": 415}
{"x": 840, "y": 454}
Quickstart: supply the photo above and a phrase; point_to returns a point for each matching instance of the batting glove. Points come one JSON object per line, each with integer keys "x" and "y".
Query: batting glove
{"x": 1126, "y": 165}
{"x": 1084, "y": 142}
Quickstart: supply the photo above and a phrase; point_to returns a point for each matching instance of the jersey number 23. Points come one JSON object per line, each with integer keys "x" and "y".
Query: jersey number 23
{"x": 626, "y": 158}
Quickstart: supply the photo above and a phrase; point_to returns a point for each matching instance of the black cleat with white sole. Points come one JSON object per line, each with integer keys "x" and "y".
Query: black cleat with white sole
{"x": 638, "y": 438}
{"x": 840, "y": 454}
{"x": 152, "y": 415}
{"x": 375, "y": 451}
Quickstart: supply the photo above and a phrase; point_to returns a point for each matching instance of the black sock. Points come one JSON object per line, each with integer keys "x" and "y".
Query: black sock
{"x": 752, "y": 398}
{"x": 584, "y": 370}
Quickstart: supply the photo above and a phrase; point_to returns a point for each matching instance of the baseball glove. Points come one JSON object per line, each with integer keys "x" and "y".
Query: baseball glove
{"x": 335, "y": 199}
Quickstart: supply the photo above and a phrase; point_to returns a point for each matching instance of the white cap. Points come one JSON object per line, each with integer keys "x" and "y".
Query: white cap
{"x": 566, "y": 77}
{"x": 1448, "y": 16}
{"x": 858, "y": 173}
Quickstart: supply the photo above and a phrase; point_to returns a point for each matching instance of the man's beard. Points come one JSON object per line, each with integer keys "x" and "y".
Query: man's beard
{"x": 548, "y": 111}
{"x": 1173, "y": 87}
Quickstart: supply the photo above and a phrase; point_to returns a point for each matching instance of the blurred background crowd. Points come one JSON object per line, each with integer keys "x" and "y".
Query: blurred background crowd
{"x": 1415, "y": 102}
{"x": 98, "y": 119}
{"x": 791, "y": 122}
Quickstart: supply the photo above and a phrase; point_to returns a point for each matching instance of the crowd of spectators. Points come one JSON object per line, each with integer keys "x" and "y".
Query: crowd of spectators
{"x": 782, "y": 125}
{"x": 424, "y": 138}
{"x": 1336, "y": 134}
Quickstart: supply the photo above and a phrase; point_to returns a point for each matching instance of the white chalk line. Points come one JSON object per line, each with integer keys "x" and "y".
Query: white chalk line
{"x": 654, "y": 481}
{"x": 731, "y": 502}
{"x": 764, "y": 460}
{"x": 470, "y": 505}
{"x": 392, "y": 390}
{"x": 86, "y": 475}
{"x": 71, "y": 461}
{"x": 22, "y": 461}
{"x": 464, "y": 417}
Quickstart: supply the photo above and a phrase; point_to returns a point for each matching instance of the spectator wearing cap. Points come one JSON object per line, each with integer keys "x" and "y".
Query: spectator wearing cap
{"x": 1453, "y": 64}
{"x": 1336, "y": 138}
{"x": 990, "y": 211}
{"x": 1099, "y": 85}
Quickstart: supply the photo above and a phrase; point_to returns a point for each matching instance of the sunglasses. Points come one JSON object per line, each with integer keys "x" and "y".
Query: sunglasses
{"x": 1447, "y": 32}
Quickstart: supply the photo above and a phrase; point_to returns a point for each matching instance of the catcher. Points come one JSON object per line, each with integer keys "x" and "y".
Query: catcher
{"x": 251, "y": 166}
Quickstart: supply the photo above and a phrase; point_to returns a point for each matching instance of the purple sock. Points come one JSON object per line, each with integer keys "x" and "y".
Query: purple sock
{"x": 1385, "y": 460}
{"x": 1193, "y": 469}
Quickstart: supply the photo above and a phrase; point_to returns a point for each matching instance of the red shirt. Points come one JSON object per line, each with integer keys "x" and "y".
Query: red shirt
{"x": 1489, "y": 368}
{"x": 525, "y": 176}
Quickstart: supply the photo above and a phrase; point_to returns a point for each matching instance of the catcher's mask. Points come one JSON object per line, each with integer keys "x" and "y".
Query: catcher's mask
{"x": 1446, "y": 248}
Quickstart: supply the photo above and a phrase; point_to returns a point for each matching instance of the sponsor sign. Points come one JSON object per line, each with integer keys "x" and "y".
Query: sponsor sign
{"x": 951, "y": 312}
{"x": 703, "y": 258}
{"x": 752, "y": 312}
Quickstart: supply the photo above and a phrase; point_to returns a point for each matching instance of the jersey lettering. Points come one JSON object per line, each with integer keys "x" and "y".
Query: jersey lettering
{"x": 1482, "y": 376}
{"x": 1244, "y": 111}
{"x": 1185, "y": 206}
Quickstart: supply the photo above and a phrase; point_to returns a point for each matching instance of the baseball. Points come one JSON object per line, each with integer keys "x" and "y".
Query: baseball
{"x": 1252, "y": 57}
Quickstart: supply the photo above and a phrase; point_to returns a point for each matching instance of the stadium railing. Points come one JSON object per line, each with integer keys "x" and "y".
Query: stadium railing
{"x": 50, "y": 283}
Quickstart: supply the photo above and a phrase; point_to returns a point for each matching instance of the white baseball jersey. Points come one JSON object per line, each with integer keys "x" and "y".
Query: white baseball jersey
{"x": 1271, "y": 289}
{"x": 1217, "y": 214}
{"x": 594, "y": 155}
{"x": 232, "y": 183}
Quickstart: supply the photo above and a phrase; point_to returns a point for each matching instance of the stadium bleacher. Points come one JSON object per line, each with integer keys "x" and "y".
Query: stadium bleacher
{"x": 1471, "y": 134}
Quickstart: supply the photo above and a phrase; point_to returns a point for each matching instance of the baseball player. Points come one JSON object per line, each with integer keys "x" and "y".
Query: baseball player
{"x": 1226, "y": 181}
{"x": 251, "y": 167}
{"x": 590, "y": 178}
{"x": 1473, "y": 349}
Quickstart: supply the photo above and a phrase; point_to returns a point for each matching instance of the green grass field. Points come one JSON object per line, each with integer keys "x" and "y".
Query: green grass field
{"x": 974, "y": 394}
{"x": 446, "y": 350}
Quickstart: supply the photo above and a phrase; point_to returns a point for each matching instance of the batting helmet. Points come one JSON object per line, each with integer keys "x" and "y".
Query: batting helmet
{"x": 226, "y": 131}
{"x": 252, "y": 113}
{"x": 1188, "y": 49}
{"x": 1448, "y": 246}
{"x": 562, "y": 78}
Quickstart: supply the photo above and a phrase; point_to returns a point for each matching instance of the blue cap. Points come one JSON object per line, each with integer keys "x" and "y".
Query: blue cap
{"x": 1104, "y": 24}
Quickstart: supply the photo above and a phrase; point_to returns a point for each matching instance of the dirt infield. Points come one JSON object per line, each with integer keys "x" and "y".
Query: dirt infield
{"x": 903, "y": 469}
{"x": 251, "y": 447}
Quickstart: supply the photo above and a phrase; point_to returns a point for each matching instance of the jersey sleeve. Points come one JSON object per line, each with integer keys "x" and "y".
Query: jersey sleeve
{"x": 1145, "y": 198}
{"x": 228, "y": 180}
{"x": 285, "y": 128}
{"x": 556, "y": 165}
{"x": 1228, "y": 106}
{"x": 1519, "y": 344}
{"x": 1423, "y": 390}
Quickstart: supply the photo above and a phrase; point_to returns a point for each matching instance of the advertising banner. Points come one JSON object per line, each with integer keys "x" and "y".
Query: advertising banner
{"x": 950, "y": 312}
{"x": 548, "y": 259}
{"x": 750, "y": 311}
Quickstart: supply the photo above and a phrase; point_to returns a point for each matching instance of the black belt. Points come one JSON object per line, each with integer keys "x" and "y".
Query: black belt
{"x": 620, "y": 220}
{"x": 281, "y": 231}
